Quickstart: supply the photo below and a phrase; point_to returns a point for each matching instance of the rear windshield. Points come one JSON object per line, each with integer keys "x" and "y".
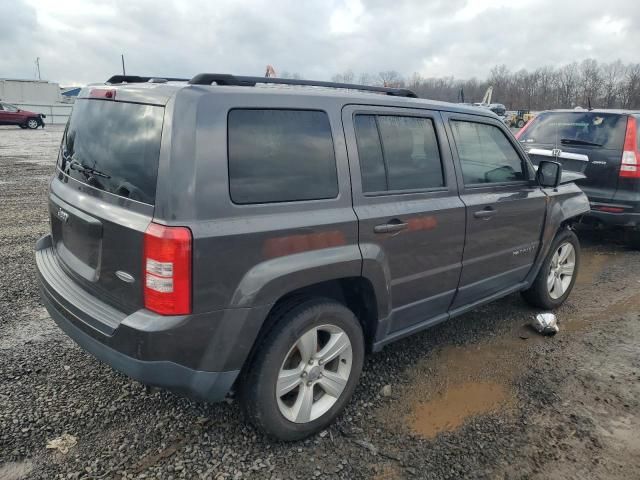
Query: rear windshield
{"x": 114, "y": 146}
{"x": 577, "y": 128}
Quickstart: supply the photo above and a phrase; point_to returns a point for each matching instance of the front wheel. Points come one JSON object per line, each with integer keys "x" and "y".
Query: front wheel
{"x": 305, "y": 371}
{"x": 558, "y": 273}
{"x": 520, "y": 123}
{"x": 32, "y": 123}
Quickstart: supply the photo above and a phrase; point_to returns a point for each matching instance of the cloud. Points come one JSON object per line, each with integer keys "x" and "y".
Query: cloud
{"x": 80, "y": 41}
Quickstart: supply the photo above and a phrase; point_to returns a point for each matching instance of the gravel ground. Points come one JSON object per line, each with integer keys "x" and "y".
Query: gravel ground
{"x": 478, "y": 397}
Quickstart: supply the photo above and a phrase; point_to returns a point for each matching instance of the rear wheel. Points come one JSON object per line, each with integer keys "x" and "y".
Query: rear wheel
{"x": 633, "y": 239}
{"x": 32, "y": 123}
{"x": 520, "y": 123}
{"x": 558, "y": 273}
{"x": 305, "y": 371}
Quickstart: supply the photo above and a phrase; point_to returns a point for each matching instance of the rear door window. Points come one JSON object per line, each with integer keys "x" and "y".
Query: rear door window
{"x": 577, "y": 128}
{"x": 114, "y": 147}
{"x": 280, "y": 156}
{"x": 398, "y": 153}
{"x": 485, "y": 153}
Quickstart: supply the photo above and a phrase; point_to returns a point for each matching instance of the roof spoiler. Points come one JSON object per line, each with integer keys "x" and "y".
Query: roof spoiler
{"x": 136, "y": 79}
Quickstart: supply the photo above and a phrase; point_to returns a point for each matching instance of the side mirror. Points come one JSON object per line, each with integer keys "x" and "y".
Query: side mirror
{"x": 549, "y": 173}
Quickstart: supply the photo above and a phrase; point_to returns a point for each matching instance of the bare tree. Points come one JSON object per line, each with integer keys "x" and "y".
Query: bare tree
{"x": 612, "y": 75}
{"x": 591, "y": 81}
{"x": 345, "y": 77}
{"x": 391, "y": 78}
{"x": 604, "y": 85}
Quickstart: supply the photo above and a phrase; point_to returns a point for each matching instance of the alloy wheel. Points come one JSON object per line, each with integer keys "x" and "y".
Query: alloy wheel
{"x": 314, "y": 373}
{"x": 561, "y": 270}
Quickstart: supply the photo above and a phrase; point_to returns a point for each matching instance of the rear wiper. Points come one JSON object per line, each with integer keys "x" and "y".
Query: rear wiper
{"x": 76, "y": 165}
{"x": 573, "y": 141}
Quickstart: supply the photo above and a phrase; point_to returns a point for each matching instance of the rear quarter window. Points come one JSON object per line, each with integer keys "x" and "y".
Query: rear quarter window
{"x": 280, "y": 156}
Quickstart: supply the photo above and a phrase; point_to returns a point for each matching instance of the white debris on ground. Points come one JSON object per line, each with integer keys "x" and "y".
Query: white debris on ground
{"x": 63, "y": 443}
{"x": 545, "y": 323}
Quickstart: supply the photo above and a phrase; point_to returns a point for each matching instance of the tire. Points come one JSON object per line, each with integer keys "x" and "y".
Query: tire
{"x": 32, "y": 123}
{"x": 286, "y": 348}
{"x": 551, "y": 286}
{"x": 520, "y": 123}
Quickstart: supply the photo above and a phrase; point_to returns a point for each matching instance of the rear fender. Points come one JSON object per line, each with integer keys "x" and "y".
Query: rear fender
{"x": 270, "y": 280}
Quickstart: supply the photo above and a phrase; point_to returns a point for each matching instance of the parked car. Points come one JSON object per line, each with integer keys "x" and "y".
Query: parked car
{"x": 605, "y": 146}
{"x": 12, "y": 115}
{"x": 273, "y": 235}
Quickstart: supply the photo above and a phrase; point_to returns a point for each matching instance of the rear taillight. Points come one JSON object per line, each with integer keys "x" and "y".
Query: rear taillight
{"x": 167, "y": 269}
{"x": 630, "y": 166}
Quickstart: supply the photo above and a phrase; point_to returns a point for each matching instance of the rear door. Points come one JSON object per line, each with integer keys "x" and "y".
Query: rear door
{"x": 410, "y": 216}
{"x": 583, "y": 141}
{"x": 103, "y": 194}
{"x": 505, "y": 207}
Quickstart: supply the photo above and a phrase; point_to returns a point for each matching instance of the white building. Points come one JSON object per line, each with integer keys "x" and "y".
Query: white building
{"x": 29, "y": 91}
{"x": 37, "y": 96}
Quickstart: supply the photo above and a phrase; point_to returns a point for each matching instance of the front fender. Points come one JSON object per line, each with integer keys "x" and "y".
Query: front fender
{"x": 268, "y": 281}
{"x": 563, "y": 203}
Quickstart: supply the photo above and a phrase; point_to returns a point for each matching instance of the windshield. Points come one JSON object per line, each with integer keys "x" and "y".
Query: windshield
{"x": 577, "y": 128}
{"x": 115, "y": 147}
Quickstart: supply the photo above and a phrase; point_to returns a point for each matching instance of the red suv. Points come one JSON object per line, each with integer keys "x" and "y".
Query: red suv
{"x": 12, "y": 115}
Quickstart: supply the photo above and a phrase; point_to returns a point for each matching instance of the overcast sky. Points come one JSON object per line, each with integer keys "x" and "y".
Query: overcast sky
{"x": 80, "y": 41}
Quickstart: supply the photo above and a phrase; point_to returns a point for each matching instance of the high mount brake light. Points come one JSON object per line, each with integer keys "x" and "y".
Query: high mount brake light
{"x": 106, "y": 93}
{"x": 167, "y": 269}
{"x": 630, "y": 166}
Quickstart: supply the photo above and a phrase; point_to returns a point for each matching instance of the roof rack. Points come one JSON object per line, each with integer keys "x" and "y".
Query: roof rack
{"x": 137, "y": 79}
{"x": 241, "y": 81}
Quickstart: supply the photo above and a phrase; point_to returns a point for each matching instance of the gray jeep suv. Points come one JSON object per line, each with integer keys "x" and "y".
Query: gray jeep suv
{"x": 259, "y": 235}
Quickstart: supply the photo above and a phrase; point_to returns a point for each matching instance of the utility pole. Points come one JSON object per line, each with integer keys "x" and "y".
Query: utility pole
{"x": 38, "y": 67}
{"x": 124, "y": 72}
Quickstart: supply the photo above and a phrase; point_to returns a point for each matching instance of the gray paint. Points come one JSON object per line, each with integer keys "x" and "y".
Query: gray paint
{"x": 246, "y": 257}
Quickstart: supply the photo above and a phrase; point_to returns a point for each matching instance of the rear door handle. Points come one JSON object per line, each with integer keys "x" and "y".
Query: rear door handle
{"x": 391, "y": 227}
{"x": 487, "y": 213}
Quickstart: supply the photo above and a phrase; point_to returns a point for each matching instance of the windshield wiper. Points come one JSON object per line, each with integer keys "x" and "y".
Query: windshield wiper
{"x": 573, "y": 141}
{"x": 80, "y": 167}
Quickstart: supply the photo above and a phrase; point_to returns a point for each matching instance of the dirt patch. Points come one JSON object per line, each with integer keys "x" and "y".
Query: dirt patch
{"x": 16, "y": 470}
{"x": 591, "y": 266}
{"x": 388, "y": 471}
{"x": 458, "y": 383}
{"x": 450, "y": 408}
{"x": 31, "y": 325}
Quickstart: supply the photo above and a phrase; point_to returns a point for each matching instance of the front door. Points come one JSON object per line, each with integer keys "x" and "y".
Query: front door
{"x": 411, "y": 219}
{"x": 505, "y": 208}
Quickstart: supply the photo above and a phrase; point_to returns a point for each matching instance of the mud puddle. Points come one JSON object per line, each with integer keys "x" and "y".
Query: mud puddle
{"x": 450, "y": 408}
{"x": 459, "y": 383}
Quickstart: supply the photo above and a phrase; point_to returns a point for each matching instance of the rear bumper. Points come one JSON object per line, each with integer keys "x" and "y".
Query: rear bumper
{"x": 199, "y": 355}
{"x": 611, "y": 219}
